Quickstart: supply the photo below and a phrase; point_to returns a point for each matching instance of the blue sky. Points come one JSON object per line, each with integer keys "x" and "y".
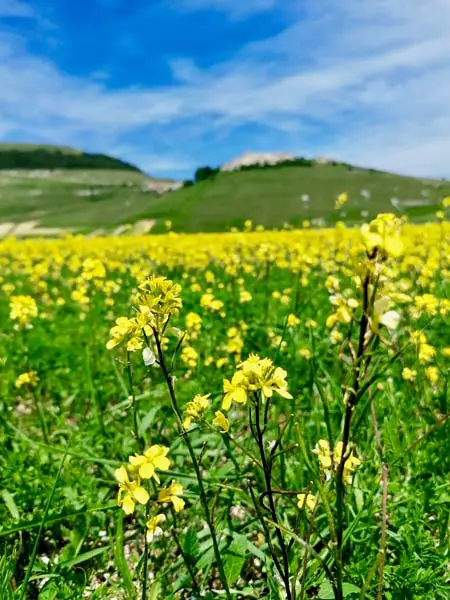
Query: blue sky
{"x": 173, "y": 84}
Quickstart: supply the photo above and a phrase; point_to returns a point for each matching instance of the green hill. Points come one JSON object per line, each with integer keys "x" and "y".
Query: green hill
{"x": 272, "y": 196}
{"x": 58, "y": 187}
{"x": 30, "y": 156}
{"x": 87, "y": 197}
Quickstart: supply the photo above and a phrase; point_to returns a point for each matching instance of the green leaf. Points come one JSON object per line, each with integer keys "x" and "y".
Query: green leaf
{"x": 235, "y": 559}
{"x": 83, "y": 557}
{"x": 119, "y": 556}
{"x": 326, "y": 590}
{"x": 349, "y": 588}
{"x": 155, "y": 591}
{"x": 190, "y": 544}
{"x": 148, "y": 419}
{"x": 206, "y": 559}
{"x": 10, "y": 504}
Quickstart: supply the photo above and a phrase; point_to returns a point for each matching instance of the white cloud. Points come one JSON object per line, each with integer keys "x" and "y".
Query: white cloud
{"x": 367, "y": 82}
{"x": 15, "y": 8}
{"x": 235, "y": 8}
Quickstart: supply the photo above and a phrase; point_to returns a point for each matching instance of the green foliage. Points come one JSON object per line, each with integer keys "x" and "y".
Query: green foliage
{"x": 48, "y": 157}
{"x": 204, "y": 173}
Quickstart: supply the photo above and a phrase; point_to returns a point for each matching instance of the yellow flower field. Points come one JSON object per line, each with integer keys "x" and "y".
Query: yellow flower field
{"x": 246, "y": 415}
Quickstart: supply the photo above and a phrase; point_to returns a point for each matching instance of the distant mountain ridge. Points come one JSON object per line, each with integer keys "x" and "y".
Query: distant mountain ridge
{"x": 29, "y": 156}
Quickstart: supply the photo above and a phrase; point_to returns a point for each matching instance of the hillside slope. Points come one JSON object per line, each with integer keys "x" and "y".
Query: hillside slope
{"x": 274, "y": 196}
{"x": 89, "y": 199}
{"x": 57, "y": 187}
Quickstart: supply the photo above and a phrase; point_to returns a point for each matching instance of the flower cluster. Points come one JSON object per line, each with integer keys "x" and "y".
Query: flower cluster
{"x": 29, "y": 378}
{"x": 156, "y": 301}
{"x": 22, "y": 309}
{"x": 143, "y": 467}
{"x": 382, "y": 237}
{"x": 195, "y": 409}
{"x": 306, "y": 501}
{"x": 255, "y": 375}
{"x": 330, "y": 460}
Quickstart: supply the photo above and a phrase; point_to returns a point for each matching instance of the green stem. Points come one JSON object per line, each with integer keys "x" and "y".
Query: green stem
{"x": 195, "y": 464}
{"x": 145, "y": 561}
{"x": 349, "y": 411}
{"x": 267, "y": 469}
{"x": 138, "y": 438}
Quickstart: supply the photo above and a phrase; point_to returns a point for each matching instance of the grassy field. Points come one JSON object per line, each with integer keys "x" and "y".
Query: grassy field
{"x": 273, "y": 196}
{"x": 147, "y": 453}
{"x": 79, "y": 199}
{"x": 90, "y": 199}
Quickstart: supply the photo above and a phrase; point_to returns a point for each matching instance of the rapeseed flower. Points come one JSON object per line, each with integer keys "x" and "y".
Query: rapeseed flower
{"x": 330, "y": 461}
{"x": 153, "y": 528}
{"x": 195, "y": 409}
{"x": 306, "y": 501}
{"x": 22, "y": 309}
{"x": 172, "y": 494}
{"x": 130, "y": 491}
{"x": 29, "y": 378}
{"x": 154, "y": 459}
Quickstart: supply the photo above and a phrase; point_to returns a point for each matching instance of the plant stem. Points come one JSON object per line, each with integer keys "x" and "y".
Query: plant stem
{"x": 351, "y": 404}
{"x": 140, "y": 441}
{"x": 195, "y": 464}
{"x": 145, "y": 561}
{"x": 384, "y": 483}
{"x": 267, "y": 468}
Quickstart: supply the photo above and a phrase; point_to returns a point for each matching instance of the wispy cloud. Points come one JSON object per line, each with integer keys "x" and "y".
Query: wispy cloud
{"x": 15, "y": 8}
{"x": 362, "y": 81}
{"x": 235, "y": 8}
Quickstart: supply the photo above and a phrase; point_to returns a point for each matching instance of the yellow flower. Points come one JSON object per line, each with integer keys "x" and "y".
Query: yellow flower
{"x": 158, "y": 298}
{"x": 153, "y": 528}
{"x": 341, "y": 199}
{"x": 221, "y": 421}
{"x": 172, "y": 494}
{"x": 194, "y": 409}
{"x": 235, "y": 390}
{"x": 409, "y": 374}
{"x": 432, "y": 374}
{"x": 275, "y": 381}
{"x": 189, "y": 356}
{"x": 330, "y": 462}
{"x": 446, "y": 351}
{"x": 440, "y": 214}
{"x": 306, "y": 353}
{"x": 153, "y": 459}
{"x": 130, "y": 491}
{"x": 292, "y": 320}
{"x": 22, "y": 309}
{"x": 336, "y": 337}
{"x": 244, "y": 296}
{"x": 306, "y": 501}
{"x": 311, "y": 323}
{"x": 93, "y": 269}
{"x": 220, "y": 362}
{"x": 382, "y": 236}
{"x": 426, "y": 353}
{"x": 29, "y": 378}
